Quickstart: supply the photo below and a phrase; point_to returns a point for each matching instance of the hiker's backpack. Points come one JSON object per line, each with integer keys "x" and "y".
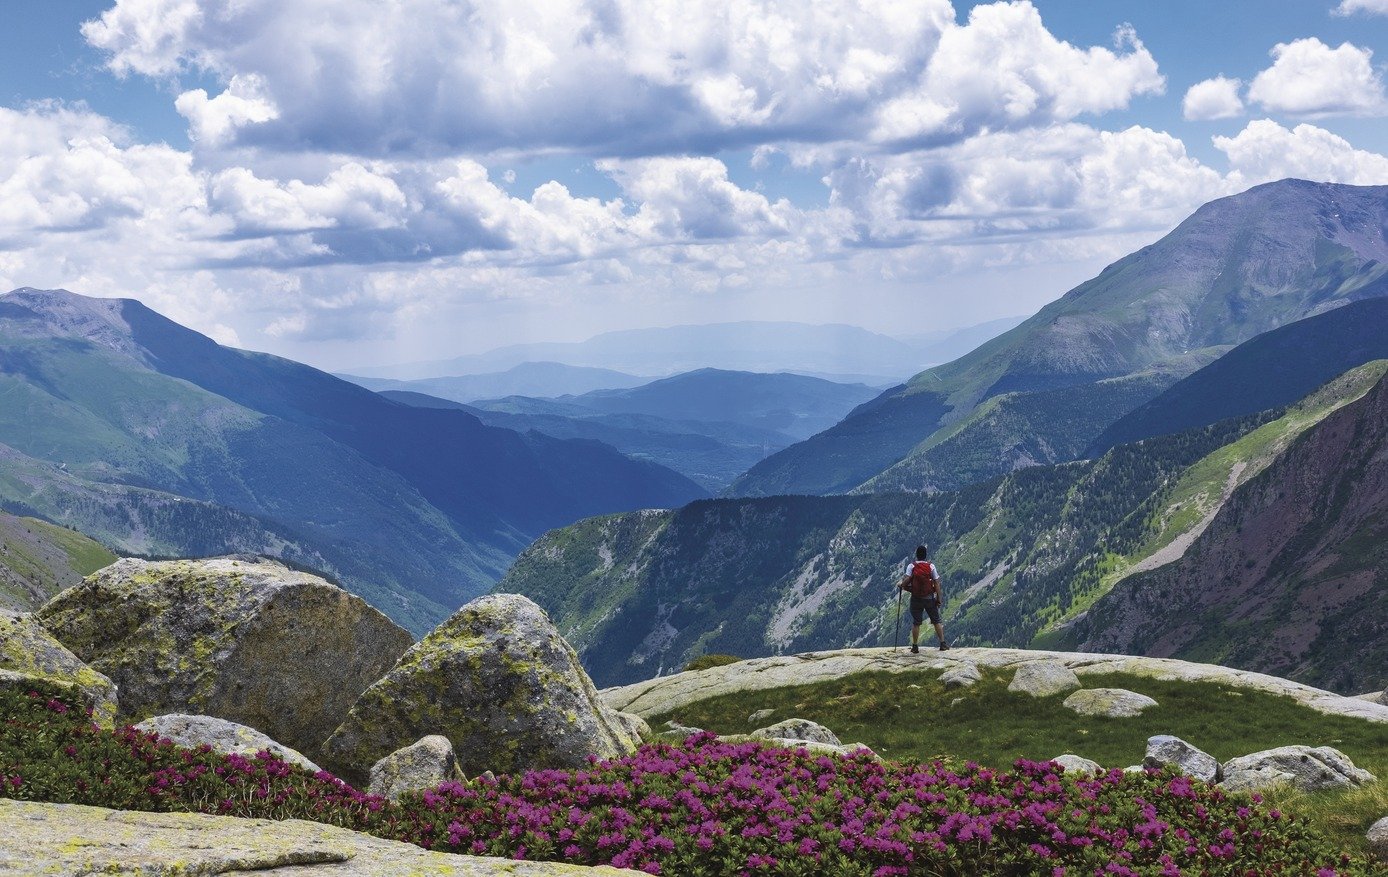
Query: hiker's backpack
{"x": 925, "y": 582}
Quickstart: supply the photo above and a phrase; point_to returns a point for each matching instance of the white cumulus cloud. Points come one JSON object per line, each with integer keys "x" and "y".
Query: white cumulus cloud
{"x": 1266, "y": 151}
{"x": 1369, "y": 7}
{"x": 1216, "y": 98}
{"x": 1309, "y": 78}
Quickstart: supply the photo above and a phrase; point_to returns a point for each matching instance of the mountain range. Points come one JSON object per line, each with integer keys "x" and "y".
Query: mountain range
{"x": 833, "y": 351}
{"x": 158, "y": 441}
{"x": 1238, "y": 267}
{"x": 526, "y": 379}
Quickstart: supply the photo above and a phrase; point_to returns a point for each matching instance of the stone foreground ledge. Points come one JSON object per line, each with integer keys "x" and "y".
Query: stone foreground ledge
{"x": 665, "y": 694}
{"x": 69, "y": 839}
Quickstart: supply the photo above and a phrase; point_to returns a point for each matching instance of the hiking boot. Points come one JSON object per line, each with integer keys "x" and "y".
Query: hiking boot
{"x": 944, "y": 646}
{"x": 915, "y": 649}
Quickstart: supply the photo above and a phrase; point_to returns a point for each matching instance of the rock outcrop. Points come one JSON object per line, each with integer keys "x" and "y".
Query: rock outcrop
{"x": 798, "y": 730}
{"x": 245, "y": 639}
{"x": 1378, "y": 839}
{"x": 498, "y": 681}
{"x": 29, "y": 655}
{"x": 61, "y": 839}
{"x": 1043, "y": 679}
{"x": 1308, "y": 769}
{"x": 665, "y": 695}
{"x": 222, "y": 736}
{"x": 1113, "y": 703}
{"x": 1164, "y": 750}
{"x": 962, "y": 676}
{"x": 424, "y": 765}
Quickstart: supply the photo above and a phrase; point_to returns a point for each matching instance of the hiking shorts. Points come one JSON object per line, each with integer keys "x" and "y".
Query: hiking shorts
{"x": 922, "y": 606}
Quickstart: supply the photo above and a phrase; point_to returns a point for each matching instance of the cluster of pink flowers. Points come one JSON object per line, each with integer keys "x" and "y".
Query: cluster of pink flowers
{"x": 710, "y": 808}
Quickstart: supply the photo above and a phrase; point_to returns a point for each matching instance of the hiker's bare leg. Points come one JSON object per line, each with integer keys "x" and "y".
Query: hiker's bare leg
{"x": 940, "y": 632}
{"x": 915, "y": 634}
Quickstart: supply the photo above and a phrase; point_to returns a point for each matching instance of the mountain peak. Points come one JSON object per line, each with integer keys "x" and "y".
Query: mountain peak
{"x": 58, "y": 312}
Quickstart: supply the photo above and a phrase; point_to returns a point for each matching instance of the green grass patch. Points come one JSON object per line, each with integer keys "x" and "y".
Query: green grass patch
{"x": 914, "y": 717}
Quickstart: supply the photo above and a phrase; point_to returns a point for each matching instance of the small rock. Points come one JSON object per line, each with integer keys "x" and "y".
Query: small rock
{"x": 956, "y": 701}
{"x": 1113, "y": 703}
{"x": 913, "y": 685}
{"x": 1134, "y": 768}
{"x": 635, "y": 726}
{"x": 1163, "y": 750}
{"x": 225, "y": 737}
{"x": 1043, "y": 679}
{"x": 798, "y": 729}
{"x": 1378, "y": 838}
{"x": 760, "y": 716}
{"x": 1308, "y": 769}
{"x": 676, "y": 732}
{"x": 29, "y": 656}
{"x": 1075, "y": 764}
{"x": 425, "y": 765}
{"x": 961, "y": 676}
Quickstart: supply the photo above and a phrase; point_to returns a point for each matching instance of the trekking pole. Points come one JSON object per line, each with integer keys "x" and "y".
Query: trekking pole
{"x": 896, "y": 636}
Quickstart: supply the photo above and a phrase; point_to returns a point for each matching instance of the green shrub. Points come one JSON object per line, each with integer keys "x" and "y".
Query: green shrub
{"x": 703, "y": 662}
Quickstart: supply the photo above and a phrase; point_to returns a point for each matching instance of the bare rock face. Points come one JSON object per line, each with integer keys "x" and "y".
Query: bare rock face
{"x": 1113, "y": 703}
{"x": 1378, "y": 839}
{"x": 1043, "y": 679}
{"x": 798, "y": 729}
{"x": 1164, "y": 750}
{"x": 1308, "y": 769}
{"x": 425, "y": 765}
{"x": 964, "y": 675}
{"x": 498, "y": 681}
{"x": 29, "y": 655}
{"x": 248, "y": 640}
{"x": 225, "y": 737}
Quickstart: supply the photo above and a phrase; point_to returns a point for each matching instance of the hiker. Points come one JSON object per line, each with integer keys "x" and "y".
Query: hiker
{"x": 922, "y": 582}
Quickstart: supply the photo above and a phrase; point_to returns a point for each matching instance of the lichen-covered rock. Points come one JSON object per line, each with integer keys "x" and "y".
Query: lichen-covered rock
{"x": 424, "y": 765}
{"x": 674, "y": 732}
{"x": 1308, "y": 769}
{"x": 760, "y": 716}
{"x": 29, "y": 653}
{"x": 245, "y": 639}
{"x": 1076, "y": 764}
{"x": 497, "y": 680}
{"x": 637, "y": 728}
{"x": 798, "y": 729}
{"x": 962, "y": 675}
{"x": 1378, "y": 839}
{"x": 1113, "y": 703}
{"x": 225, "y": 737}
{"x": 64, "y": 839}
{"x": 1164, "y": 750}
{"x": 1043, "y": 679}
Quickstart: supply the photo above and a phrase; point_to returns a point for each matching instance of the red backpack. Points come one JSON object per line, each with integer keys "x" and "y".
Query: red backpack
{"x": 925, "y": 582}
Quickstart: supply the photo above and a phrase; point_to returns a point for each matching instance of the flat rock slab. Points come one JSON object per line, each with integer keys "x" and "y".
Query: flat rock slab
{"x": 1112, "y": 703}
{"x": 68, "y": 839}
{"x": 665, "y": 694}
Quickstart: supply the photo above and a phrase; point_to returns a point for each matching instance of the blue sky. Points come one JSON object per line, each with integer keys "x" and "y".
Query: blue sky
{"x": 348, "y": 182}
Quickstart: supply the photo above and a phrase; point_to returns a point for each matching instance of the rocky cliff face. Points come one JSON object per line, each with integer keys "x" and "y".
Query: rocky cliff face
{"x": 1291, "y": 577}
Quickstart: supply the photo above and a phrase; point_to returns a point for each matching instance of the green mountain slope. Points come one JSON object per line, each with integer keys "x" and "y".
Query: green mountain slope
{"x": 1289, "y": 577}
{"x": 1238, "y": 267}
{"x": 39, "y": 559}
{"x": 115, "y": 415}
{"x": 1022, "y": 556}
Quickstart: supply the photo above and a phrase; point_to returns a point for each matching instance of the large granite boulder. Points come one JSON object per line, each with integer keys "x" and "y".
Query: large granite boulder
{"x": 1112, "y": 703}
{"x": 69, "y": 839}
{"x": 222, "y": 736}
{"x": 1164, "y": 750}
{"x": 426, "y": 764}
{"x": 245, "y": 639}
{"x": 1308, "y": 769}
{"x": 29, "y": 655}
{"x": 1043, "y": 679}
{"x": 798, "y": 729}
{"x": 498, "y": 681}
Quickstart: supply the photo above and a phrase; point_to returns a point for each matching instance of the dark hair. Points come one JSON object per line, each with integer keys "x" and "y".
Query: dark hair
{"x": 921, "y": 552}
